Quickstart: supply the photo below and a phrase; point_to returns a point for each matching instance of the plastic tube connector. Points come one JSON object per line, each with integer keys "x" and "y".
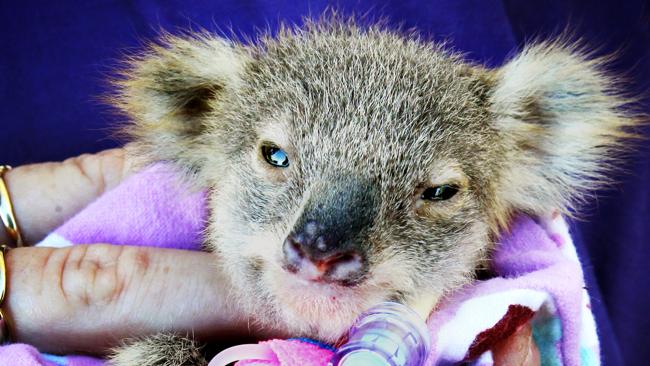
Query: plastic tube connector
{"x": 389, "y": 334}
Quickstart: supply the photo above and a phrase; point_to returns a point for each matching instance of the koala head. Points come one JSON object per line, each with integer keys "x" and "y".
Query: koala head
{"x": 348, "y": 166}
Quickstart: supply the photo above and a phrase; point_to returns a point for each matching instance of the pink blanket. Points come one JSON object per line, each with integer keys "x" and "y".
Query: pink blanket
{"x": 539, "y": 280}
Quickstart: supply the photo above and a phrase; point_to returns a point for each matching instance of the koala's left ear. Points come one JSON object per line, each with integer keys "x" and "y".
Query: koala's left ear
{"x": 564, "y": 125}
{"x": 174, "y": 91}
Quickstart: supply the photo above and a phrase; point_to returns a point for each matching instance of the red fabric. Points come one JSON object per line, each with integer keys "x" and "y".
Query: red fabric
{"x": 516, "y": 316}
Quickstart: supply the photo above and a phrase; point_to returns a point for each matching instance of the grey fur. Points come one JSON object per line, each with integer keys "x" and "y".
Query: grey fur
{"x": 369, "y": 105}
{"x": 159, "y": 350}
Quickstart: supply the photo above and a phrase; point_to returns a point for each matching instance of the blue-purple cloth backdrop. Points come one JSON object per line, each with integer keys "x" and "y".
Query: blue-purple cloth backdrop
{"x": 56, "y": 55}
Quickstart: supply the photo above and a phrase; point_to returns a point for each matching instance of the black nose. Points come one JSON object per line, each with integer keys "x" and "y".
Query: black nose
{"x": 318, "y": 256}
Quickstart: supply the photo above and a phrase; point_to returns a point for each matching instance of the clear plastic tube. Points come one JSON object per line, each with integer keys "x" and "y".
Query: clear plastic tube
{"x": 389, "y": 334}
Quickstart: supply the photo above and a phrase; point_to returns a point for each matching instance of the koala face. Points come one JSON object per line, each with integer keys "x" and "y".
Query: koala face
{"x": 349, "y": 185}
{"x": 350, "y": 166}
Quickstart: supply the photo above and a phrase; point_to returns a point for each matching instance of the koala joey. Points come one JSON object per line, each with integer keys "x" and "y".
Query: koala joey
{"x": 349, "y": 165}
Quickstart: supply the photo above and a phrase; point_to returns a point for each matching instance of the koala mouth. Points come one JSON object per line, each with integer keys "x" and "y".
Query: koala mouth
{"x": 347, "y": 268}
{"x": 341, "y": 271}
{"x": 314, "y": 302}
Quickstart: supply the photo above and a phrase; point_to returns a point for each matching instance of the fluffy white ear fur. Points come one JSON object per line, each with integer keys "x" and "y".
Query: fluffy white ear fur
{"x": 565, "y": 124}
{"x": 172, "y": 88}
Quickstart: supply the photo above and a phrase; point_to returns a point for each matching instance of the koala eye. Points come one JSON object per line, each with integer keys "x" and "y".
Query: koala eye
{"x": 275, "y": 156}
{"x": 439, "y": 193}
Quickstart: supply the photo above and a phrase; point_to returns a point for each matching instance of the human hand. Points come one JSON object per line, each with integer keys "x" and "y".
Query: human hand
{"x": 88, "y": 298}
{"x": 518, "y": 349}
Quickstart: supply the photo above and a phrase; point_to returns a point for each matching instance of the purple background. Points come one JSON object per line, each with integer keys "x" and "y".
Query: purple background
{"x": 56, "y": 55}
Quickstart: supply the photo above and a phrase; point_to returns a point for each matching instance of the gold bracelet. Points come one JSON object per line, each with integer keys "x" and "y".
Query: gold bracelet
{"x": 7, "y": 214}
{"x": 4, "y": 321}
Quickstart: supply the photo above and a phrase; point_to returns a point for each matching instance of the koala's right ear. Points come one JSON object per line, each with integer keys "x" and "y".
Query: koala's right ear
{"x": 172, "y": 90}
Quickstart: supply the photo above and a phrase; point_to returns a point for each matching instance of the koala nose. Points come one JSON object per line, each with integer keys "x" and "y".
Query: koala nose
{"x": 315, "y": 256}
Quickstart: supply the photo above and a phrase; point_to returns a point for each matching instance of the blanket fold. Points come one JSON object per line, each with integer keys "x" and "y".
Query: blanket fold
{"x": 538, "y": 280}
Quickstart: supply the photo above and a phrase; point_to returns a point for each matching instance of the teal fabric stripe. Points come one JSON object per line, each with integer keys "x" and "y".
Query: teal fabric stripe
{"x": 57, "y": 360}
{"x": 547, "y": 333}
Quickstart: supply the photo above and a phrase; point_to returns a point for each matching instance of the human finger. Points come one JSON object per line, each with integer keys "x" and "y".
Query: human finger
{"x": 89, "y": 298}
{"x": 47, "y": 194}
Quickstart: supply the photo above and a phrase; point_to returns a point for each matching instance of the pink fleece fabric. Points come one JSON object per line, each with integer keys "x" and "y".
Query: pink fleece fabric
{"x": 293, "y": 353}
